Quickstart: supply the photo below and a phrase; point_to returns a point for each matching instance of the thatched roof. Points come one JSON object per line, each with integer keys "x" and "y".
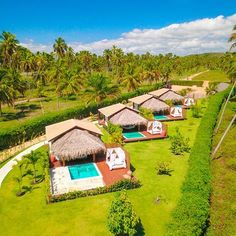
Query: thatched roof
{"x": 140, "y": 99}
{"x": 171, "y": 95}
{"x": 159, "y": 92}
{"x": 127, "y": 116}
{"x": 77, "y": 144}
{"x": 221, "y": 87}
{"x": 110, "y": 110}
{"x": 53, "y": 131}
{"x": 155, "y": 104}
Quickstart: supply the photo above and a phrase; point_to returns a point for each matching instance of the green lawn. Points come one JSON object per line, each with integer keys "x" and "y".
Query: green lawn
{"x": 223, "y": 204}
{"x": 213, "y": 76}
{"x": 30, "y": 215}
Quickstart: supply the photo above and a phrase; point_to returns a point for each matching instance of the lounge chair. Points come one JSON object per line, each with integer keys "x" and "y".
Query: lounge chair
{"x": 115, "y": 158}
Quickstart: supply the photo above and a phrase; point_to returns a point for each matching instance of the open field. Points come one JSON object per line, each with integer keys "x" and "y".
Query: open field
{"x": 223, "y": 206}
{"x": 213, "y": 76}
{"x": 87, "y": 216}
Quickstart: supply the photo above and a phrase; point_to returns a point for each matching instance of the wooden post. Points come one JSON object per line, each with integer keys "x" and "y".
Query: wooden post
{"x": 63, "y": 161}
{"x": 94, "y": 157}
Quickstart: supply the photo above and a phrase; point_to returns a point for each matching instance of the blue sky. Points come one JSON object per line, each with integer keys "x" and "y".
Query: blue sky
{"x": 88, "y": 21}
{"x": 86, "y": 24}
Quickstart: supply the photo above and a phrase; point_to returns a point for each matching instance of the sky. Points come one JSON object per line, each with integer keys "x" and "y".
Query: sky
{"x": 158, "y": 26}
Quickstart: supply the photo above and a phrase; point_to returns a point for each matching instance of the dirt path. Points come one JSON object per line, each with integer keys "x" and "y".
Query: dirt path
{"x": 194, "y": 75}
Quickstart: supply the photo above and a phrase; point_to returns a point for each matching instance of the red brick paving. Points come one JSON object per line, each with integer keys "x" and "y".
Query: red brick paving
{"x": 110, "y": 176}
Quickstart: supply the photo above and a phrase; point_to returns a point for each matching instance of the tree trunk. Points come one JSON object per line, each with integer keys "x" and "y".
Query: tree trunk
{"x": 223, "y": 136}
{"x": 223, "y": 111}
{"x": 0, "y": 109}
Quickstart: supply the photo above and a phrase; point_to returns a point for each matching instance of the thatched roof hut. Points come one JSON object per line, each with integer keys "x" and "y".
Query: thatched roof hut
{"x": 112, "y": 109}
{"x": 126, "y": 117}
{"x": 155, "y": 105}
{"x": 77, "y": 144}
{"x": 167, "y": 94}
{"x": 54, "y": 130}
{"x": 140, "y": 99}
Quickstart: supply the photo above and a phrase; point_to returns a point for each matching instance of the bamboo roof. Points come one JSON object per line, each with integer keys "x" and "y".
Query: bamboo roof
{"x": 55, "y": 130}
{"x": 126, "y": 117}
{"x": 77, "y": 144}
{"x": 171, "y": 95}
{"x": 140, "y": 99}
{"x": 110, "y": 110}
{"x": 159, "y": 92}
{"x": 155, "y": 104}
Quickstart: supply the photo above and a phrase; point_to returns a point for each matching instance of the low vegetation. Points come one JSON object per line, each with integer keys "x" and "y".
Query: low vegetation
{"x": 159, "y": 194}
{"x": 213, "y": 76}
{"x": 122, "y": 219}
{"x": 223, "y": 208}
{"x": 192, "y": 212}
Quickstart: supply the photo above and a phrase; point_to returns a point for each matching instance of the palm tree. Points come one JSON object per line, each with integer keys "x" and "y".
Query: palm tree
{"x": 107, "y": 54}
{"x": 33, "y": 159}
{"x": 100, "y": 87}
{"x": 19, "y": 181}
{"x": 8, "y": 44}
{"x": 6, "y": 92}
{"x": 131, "y": 79}
{"x": 233, "y": 38}
{"x": 60, "y": 47}
{"x": 69, "y": 83}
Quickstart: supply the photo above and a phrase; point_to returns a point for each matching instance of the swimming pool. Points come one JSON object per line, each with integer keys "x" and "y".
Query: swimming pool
{"x": 130, "y": 135}
{"x": 160, "y": 117}
{"x": 83, "y": 171}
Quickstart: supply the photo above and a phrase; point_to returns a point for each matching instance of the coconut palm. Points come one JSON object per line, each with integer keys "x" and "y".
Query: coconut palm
{"x": 60, "y": 47}
{"x": 32, "y": 159}
{"x": 233, "y": 38}
{"x": 8, "y": 44}
{"x": 6, "y": 92}
{"x": 131, "y": 79}
{"x": 69, "y": 83}
{"x": 99, "y": 87}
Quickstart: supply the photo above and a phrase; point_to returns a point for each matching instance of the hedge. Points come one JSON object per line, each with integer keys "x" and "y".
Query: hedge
{"x": 29, "y": 129}
{"x": 190, "y": 217}
{"x": 118, "y": 186}
{"x": 187, "y": 82}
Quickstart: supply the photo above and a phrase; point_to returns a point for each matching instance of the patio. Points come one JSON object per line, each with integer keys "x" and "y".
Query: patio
{"x": 61, "y": 181}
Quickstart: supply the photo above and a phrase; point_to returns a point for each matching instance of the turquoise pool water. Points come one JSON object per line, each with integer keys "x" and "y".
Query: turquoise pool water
{"x": 160, "y": 117}
{"x": 130, "y": 135}
{"x": 83, "y": 171}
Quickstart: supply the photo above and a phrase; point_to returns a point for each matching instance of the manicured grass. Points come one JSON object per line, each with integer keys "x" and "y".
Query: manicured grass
{"x": 213, "y": 76}
{"x": 30, "y": 214}
{"x": 223, "y": 205}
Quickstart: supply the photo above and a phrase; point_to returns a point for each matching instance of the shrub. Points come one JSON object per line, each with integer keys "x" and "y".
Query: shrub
{"x": 34, "y": 127}
{"x": 196, "y": 110}
{"x": 115, "y": 132}
{"x": 187, "y": 82}
{"x": 179, "y": 144}
{"x": 163, "y": 168}
{"x": 192, "y": 211}
{"x": 118, "y": 186}
{"x": 122, "y": 219}
{"x": 146, "y": 113}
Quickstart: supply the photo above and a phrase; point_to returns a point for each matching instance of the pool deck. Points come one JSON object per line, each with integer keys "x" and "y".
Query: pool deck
{"x": 171, "y": 118}
{"x": 109, "y": 177}
{"x": 148, "y": 136}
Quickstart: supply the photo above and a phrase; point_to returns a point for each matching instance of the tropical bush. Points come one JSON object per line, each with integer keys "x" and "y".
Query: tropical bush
{"x": 179, "y": 144}
{"x": 192, "y": 212}
{"x": 196, "y": 110}
{"x": 187, "y": 82}
{"x": 115, "y": 133}
{"x": 122, "y": 219}
{"x": 146, "y": 113}
{"x": 163, "y": 168}
{"x": 36, "y": 126}
{"x": 118, "y": 186}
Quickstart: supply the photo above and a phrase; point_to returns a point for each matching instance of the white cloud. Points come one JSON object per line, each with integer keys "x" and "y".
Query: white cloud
{"x": 203, "y": 35}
